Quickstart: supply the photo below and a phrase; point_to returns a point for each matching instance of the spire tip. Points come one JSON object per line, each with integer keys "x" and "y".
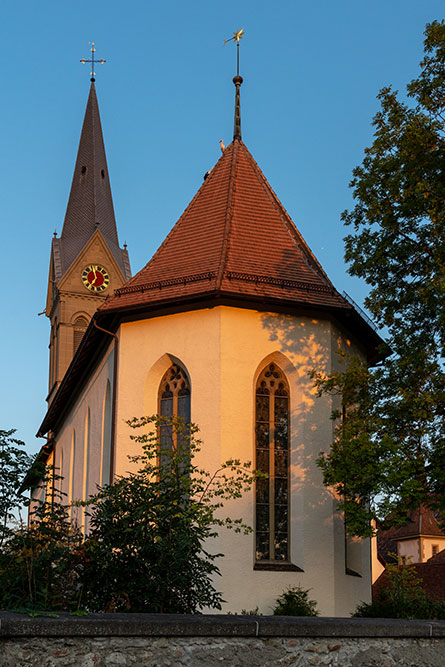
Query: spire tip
{"x": 237, "y": 80}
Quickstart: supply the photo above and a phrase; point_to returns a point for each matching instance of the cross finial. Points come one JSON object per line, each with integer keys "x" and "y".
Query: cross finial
{"x": 93, "y": 61}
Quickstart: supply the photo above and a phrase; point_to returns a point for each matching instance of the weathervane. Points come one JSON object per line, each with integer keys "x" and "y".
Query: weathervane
{"x": 93, "y": 61}
{"x": 239, "y": 34}
{"x": 237, "y": 80}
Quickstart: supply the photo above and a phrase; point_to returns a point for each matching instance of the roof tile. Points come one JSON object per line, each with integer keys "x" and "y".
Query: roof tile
{"x": 236, "y": 233}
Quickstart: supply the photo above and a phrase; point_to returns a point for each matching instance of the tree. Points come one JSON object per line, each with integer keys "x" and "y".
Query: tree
{"x": 150, "y": 531}
{"x": 42, "y": 564}
{"x": 389, "y": 449}
{"x": 14, "y": 464}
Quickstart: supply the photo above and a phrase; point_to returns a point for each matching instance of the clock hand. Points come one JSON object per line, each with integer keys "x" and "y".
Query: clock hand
{"x": 95, "y": 274}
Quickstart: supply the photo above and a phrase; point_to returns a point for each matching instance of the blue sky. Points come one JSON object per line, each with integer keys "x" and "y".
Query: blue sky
{"x": 311, "y": 75}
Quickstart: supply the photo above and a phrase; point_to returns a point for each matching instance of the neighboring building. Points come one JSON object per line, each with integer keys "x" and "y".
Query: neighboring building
{"x": 419, "y": 541}
{"x": 222, "y": 325}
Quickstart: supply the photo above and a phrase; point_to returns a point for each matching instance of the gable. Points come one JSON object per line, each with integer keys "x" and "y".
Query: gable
{"x": 96, "y": 251}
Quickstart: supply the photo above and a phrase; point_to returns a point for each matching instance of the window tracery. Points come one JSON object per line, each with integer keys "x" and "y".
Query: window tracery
{"x": 174, "y": 399}
{"x": 272, "y": 457}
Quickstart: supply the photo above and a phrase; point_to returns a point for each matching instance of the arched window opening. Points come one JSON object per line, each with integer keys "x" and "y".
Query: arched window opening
{"x": 72, "y": 478}
{"x": 174, "y": 400}
{"x": 80, "y": 326}
{"x": 272, "y": 457}
{"x": 106, "y": 438}
{"x": 86, "y": 468}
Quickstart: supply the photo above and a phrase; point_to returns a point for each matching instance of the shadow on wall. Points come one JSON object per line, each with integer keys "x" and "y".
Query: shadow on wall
{"x": 307, "y": 343}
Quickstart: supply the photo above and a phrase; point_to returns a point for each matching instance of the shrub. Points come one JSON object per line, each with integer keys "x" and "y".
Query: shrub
{"x": 42, "y": 565}
{"x": 147, "y": 549}
{"x": 295, "y": 602}
{"x": 403, "y": 597}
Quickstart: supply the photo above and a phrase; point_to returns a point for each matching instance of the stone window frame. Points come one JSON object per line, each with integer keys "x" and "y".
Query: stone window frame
{"x": 273, "y": 384}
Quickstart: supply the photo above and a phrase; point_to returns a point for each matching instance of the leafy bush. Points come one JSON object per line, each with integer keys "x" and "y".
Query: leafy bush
{"x": 403, "y": 597}
{"x": 14, "y": 464}
{"x": 295, "y": 602}
{"x": 42, "y": 565}
{"x": 145, "y": 550}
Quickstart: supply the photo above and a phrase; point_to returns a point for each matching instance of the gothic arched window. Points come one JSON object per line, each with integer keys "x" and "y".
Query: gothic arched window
{"x": 272, "y": 457}
{"x": 174, "y": 399}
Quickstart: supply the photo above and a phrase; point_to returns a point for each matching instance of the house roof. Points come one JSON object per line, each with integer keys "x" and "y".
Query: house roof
{"x": 432, "y": 574}
{"x": 90, "y": 204}
{"x": 420, "y": 521}
{"x": 235, "y": 238}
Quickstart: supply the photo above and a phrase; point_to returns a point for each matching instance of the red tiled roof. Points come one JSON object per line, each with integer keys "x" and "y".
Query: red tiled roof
{"x": 432, "y": 574}
{"x": 438, "y": 558}
{"x": 421, "y": 521}
{"x": 234, "y": 238}
{"x": 234, "y": 243}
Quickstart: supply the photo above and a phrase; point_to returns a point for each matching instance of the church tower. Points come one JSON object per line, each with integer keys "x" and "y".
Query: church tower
{"x": 86, "y": 262}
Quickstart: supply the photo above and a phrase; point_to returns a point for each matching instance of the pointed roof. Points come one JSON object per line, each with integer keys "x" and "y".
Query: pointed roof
{"x": 420, "y": 521}
{"x": 235, "y": 238}
{"x": 234, "y": 245}
{"x": 90, "y": 204}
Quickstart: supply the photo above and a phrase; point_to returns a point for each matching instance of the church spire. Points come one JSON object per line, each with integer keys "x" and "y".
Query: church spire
{"x": 90, "y": 204}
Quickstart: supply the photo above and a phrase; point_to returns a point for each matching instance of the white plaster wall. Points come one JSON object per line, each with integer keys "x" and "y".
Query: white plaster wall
{"x": 224, "y": 350}
{"x": 79, "y": 442}
{"x": 419, "y": 549}
{"x": 427, "y": 546}
{"x": 409, "y": 549}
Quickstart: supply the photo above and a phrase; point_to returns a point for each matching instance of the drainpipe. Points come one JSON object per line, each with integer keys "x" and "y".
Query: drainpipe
{"x": 114, "y": 399}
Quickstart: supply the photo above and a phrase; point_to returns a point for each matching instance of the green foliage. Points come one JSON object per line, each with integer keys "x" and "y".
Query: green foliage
{"x": 390, "y": 441}
{"x": 295, "y": 602}
{"x": 42, "y": 565}
{"x": 149, "y": 532}
{"x": 147, "y": 549}
{"x": 14, "y": 463}
{"x": 403, "y": 597}
{"x": 246, "y": 612}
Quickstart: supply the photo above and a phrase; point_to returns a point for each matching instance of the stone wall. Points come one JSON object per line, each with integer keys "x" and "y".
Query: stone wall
{"x": 117, "y": 640}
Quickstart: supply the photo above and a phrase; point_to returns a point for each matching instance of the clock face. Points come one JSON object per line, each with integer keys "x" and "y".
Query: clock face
{"x": 95, "y": 278}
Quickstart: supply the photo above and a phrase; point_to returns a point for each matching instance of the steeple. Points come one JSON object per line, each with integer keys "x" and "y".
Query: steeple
{"x": 86, "y": 262}
{"x": 90, "y": 204}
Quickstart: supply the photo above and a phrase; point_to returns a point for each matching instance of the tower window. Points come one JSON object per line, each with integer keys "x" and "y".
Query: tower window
{"x": 80, "y": 326}
{"x": 272, "y": 457}
{"x": 83, "y": 170}
{"x": 102, "y": 173}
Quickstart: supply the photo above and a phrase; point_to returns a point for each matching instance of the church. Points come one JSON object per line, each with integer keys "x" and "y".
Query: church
{"x": 222, "y": 326}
